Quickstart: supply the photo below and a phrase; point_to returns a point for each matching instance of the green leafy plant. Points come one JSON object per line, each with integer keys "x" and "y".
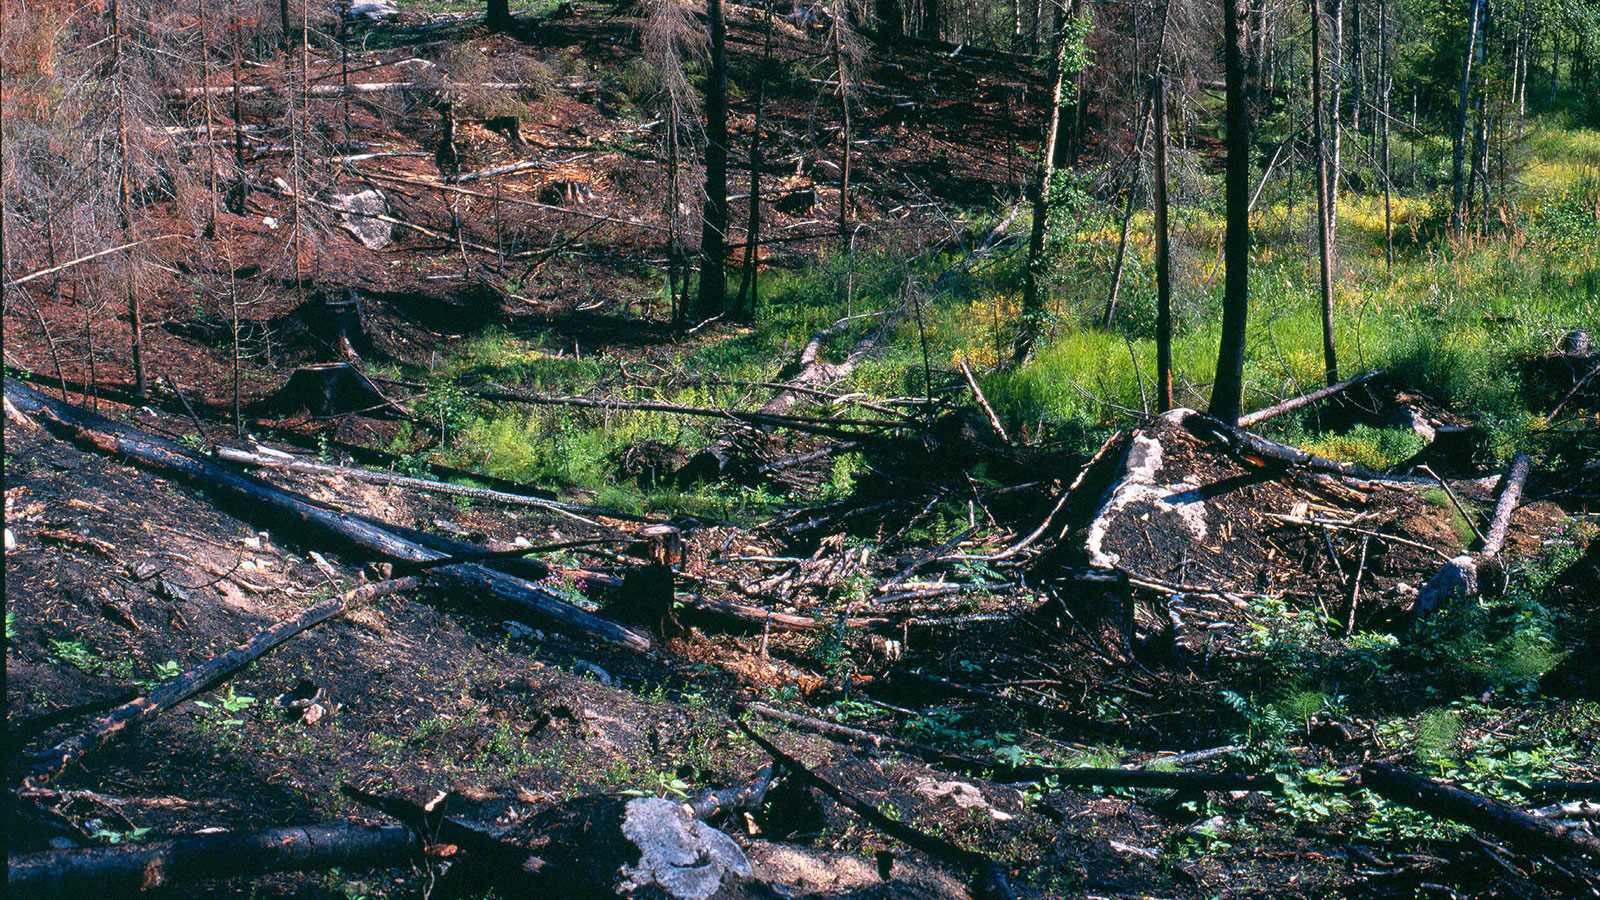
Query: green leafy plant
{"x": 228, "y": 707}
{"x": 114, "y": 837}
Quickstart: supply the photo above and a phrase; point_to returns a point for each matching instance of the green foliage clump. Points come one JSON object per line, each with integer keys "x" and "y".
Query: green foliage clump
{"x": 1368, "y": 447}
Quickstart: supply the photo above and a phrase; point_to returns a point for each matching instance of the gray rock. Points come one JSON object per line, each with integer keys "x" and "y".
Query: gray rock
{"x": 356, "y": 213}
{"x": 685, "y": 857}
{"x": 372, "y": 10}
{"x": 1456, "y": 580}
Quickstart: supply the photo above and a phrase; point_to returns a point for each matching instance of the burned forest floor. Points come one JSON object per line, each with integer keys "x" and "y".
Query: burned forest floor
{"x": 1062, "y": 646}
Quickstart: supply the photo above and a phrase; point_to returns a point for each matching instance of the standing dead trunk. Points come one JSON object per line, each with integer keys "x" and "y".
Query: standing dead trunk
{"x": 1386, "y": 85}
{"x": 845, "y": 134}
{"x": 1133, "y": 182}
{"x": 674, "y": 249}
{"x": 242, "y": 184}
{"x": 1228, "y": 389}
{"x": 1330, "y": 359}
{"x": 1458, "y": 149}
{"x": 1032, "y": 291}
{"x": 713, "y": 296}
{"x": 211, "y": 123}
{"x": 1335, "y": 135}
{"x": 1163, "y": 257}
{"x": 499, "y": 15}
{"x": 124, "y": 199}
{"x": 749, "y": 289}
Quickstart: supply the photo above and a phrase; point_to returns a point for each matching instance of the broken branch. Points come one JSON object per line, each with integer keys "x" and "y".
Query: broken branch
{"x": 1294, "y": 403}
{"x": 213, "y": 672}
{"x": 1532, "y": 833}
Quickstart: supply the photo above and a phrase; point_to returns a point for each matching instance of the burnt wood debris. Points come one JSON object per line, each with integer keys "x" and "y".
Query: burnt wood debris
{"x": 909, "y": 450}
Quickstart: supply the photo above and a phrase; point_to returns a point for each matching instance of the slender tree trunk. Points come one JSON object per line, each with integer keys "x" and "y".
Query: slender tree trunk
{"x": 1163, "y": 257}
{"x": 1330, "y": 360}
{"x": 1032, "y": 291}
{"x": 344, "y": 77}
{"x": 1459, "y": 148}
{"x": 1335, "y": 134}
{"x": 298, "y": 152}
{"x": 839, "y": 12}
{"x": 1228, "y": 389}
{"x": 211, "y": 122}
{"x": 1478, "y": 165}
{"x": 283, "y": 17}
{"x": 242, "y": 188}
{"x": 713, "y": 296}
{"x": 1386, "y": 82}
{"x": 1358, "y": 72}
{"x": 674, "y": 193}
{"x": 125, "y": 202}
{"x": 1555, "y": 63}
{"x": 749, "y": 288}
{"x": 1138, "y": 161}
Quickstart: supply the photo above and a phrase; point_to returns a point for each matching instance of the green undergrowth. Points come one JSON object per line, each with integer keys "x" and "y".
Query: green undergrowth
{"x": 1450, "y": 320}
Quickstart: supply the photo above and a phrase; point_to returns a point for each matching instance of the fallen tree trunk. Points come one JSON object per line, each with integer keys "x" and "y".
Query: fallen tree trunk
{"x": 213, "y": 672}
{"x": 1457, "y": 579}
{"x": 1294, "y": 403}
{"x": 258, "y": 500}
{"x": 1531, "y": 833}
{"x": 1510, "y": 496}
{"x": 137, "y": 868}
{"x": 989, "y": 878}
{"x": 1065, "y": 775}
{"x": 431, "y": 823}
{"x": 370, "y": 87}
{"x": 293, "y": 464}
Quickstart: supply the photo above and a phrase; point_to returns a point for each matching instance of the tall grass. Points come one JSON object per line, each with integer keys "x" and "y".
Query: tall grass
{"x": 1450, "y": 320}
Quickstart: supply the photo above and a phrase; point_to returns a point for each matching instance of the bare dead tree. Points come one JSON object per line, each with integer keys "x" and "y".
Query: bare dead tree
{"x": 1138, "y": 163}
{"x": 1463, "y": 103}
{"x": 1032, "y": 293}
{"x": 1163, "y": 256}
{"x": 210, "y": 120}
{"x": 1325, "y": 211}
{"x": 749, "y": 289}
{"x": 124, "y": 204}
{"x": 1228, "y": 389}
{"x": 670, "y": 35}
{"x": 846, "y": 52}
{"x": 712, "y": 299}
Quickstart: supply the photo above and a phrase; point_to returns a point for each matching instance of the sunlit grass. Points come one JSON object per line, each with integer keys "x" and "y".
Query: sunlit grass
{"x": 1449, "y": 320}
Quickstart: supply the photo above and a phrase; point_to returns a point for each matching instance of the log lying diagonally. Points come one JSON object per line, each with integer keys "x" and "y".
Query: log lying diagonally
{"x": 1294, "y": 403}
{"x": 137, "y": 868}
{"x": 988, "y": 876}
{"x": 308, "y": 521}
{"x": 207, "y": 675}
{"x": 312, "y": 467}
{"x": 1457, "y": 579}
{"x": 1531, "y": 833}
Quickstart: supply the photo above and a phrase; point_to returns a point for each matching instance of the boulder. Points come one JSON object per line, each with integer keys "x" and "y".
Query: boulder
{"x": 357, "y": 212}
